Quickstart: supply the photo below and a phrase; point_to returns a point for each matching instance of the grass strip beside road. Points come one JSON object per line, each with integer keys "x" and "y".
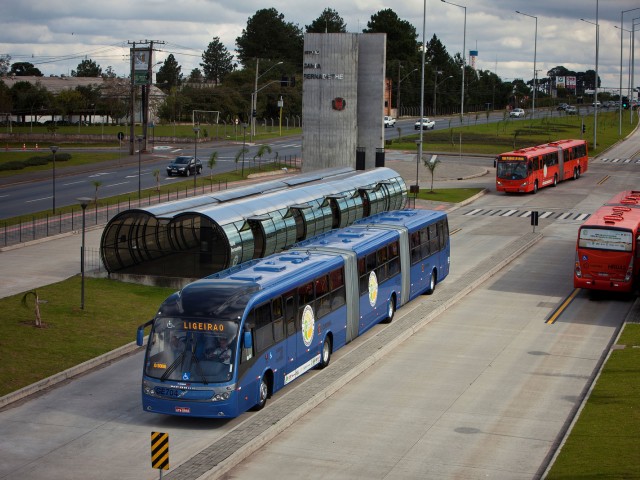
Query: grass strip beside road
{"x": 604, "y": 441}
{"x": 113, "y": 310}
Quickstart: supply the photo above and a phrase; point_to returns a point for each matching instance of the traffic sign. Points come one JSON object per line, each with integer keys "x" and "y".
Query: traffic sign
{"x": 160, "y": 450}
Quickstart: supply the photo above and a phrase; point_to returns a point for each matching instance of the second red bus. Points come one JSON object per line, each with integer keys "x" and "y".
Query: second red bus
{"x": 608, "y": 246}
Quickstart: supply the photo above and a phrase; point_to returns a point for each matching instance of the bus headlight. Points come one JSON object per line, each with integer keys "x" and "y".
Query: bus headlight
{"x": 147, "y": 388}
{"x": 220, "y": 397}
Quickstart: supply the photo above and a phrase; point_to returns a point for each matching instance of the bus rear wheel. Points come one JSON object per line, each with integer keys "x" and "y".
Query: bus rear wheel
{"x": 325, "y": 355}
{"x": 555, "y": 180}
{"x": 391, "y": 310}
{"x": 432, "y": 283}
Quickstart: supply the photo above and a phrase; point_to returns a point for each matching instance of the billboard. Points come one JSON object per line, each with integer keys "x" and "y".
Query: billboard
{"x": 141, "y": 65}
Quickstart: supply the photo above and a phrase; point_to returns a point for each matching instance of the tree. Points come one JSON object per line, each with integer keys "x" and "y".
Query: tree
{"x": 431, "y": 164}
{"x": 70, "y": 102}
{"x": 36, "y": 309}
{"x": 402, "y": 44}
{"x": 25, "y": 69}
{"x": 328, "y": 22}
{"x": 264, "y": 148}
{"x": 196, "y": 76}
{"x": 109, "y": 73}
{"x": 97, "y": 184}
{"x": 87, "y": 68}
{"x": 216, "y": 61}
{"x": 211, "y": 163}
{"x": 170, "y": 73}
{"x": 268, "y": 36}
{"x": 5, "y": 61}
{"x": 30, "y": 99}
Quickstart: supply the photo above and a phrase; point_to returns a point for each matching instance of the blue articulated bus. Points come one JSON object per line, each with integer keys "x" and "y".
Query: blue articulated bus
{"x": 224, "y": 344}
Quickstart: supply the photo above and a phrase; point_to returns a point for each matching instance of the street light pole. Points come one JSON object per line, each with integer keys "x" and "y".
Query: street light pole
{"x": 620, "y": 91}
{"x": 399, "y": 81}
{"x": 54, "y": 149}
{"x": 139, "y": 138}
{"x": 84, "y": 201}
{"x": 416, "y": 188}
{"x": 254, "y": 97}
{"x": 535, "y": 54}
{"x": 196, "y": 130}
{"x": 244, "y": 143}
{"x": 464, "y": 54}
{"x": 436, "y": 84}
{"x": 595, "y": 91}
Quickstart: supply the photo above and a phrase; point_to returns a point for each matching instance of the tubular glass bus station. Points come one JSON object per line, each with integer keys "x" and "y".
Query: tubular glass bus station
{"x": 201, "y": 235}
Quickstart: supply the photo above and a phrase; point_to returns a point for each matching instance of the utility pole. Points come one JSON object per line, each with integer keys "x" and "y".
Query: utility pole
{"x": 145, "y": 82}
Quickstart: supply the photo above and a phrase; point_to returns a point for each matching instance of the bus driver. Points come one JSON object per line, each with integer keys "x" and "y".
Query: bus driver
{"x": 222, "y": 353}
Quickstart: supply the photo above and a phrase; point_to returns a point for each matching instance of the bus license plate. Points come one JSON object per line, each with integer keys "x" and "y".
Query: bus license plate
{"x": 183, "y": 410}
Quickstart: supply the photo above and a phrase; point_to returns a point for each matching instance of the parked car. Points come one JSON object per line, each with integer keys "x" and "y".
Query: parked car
{"x": 426, "y": 123}
{"x": 571, "y": 110}
{"x": 185, "y": 166}
{"x": 562, "y": 106}
{"x": 389, "y": 121}
{"x": 516, "y": 112}
{"x": 596, "y": 104}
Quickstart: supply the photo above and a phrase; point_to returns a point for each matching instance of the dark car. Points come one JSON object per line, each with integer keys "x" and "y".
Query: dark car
{"x": 184, "y": 166}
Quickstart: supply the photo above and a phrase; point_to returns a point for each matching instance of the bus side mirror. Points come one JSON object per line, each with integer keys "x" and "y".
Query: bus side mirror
{"x": 248, "y": 340}
{"x": 140, "y": 333}
{"x": 495, "y": 163}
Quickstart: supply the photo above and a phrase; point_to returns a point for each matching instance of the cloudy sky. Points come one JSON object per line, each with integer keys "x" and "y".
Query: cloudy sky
{"x": 56, "y": 35}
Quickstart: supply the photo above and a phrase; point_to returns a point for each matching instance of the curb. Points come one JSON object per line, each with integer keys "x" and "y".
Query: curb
{"x": 54, "y": 380}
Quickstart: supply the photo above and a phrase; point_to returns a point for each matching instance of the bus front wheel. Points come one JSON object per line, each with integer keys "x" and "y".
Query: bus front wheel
{"x": 325, "y": 355}
{"x": 555, "y": 180}
{"x": 535, "y": 187}
{"x": 263, "y": 394}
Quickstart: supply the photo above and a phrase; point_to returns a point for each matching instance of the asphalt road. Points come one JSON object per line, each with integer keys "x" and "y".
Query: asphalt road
{"x": 469, "y": 382}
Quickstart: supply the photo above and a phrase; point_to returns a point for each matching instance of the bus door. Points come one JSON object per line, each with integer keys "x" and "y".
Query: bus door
{"x": 561, "y": 164}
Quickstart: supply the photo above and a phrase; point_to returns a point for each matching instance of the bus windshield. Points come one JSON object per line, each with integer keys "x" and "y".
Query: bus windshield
{"x": 191, "y": 349}
{"x": 606, "y": 239}
{"x": 512, "y": 170}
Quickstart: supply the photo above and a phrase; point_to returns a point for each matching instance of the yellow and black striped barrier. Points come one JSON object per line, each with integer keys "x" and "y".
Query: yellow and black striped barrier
{"x": 160, "y": 451}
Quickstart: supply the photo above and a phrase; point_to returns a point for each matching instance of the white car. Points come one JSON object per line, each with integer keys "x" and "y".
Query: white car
{"x": 426, "y": 123}
{"x": 516, "y": 112}
{"x": 389, "y": 121}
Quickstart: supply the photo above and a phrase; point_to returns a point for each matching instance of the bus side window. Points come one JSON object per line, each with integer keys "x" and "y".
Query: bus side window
{"x": 290, "y": 313}
{"x": 415, "y": 247}
{"x": 278, "y": 319}
{"x": 424, "y": 243}
{"x": 381, "y": 261}
{"x": 264, "y": 327}
{"x": 323, "y": 300}
{"x": 394, "y": 259}
{"x": 336, "y": 285}
{"x": 433, "y": 238}
{"x": 362, "y": 275}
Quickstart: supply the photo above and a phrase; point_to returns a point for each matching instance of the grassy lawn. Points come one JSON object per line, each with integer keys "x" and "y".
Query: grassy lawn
{"x": 604, "y": 440}
{"x": 478, "y": 136}
{"x": 77, "y": 159}
{"x": 70, "y": 335}
{"x": 448, "y": 195}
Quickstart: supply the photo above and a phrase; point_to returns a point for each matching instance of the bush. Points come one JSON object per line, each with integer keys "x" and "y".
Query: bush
{"x": 12, "y": 165}
{"x": 33, "y": 161}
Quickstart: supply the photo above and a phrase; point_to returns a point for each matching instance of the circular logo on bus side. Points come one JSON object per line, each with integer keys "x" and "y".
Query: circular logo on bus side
{"x": 373, "y": 289}
{"x": 308, "y": 325}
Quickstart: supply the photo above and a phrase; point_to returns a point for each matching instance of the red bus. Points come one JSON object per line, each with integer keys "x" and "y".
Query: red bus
{"x": 608, "y": 247}
{"x": 528, "y": 169}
